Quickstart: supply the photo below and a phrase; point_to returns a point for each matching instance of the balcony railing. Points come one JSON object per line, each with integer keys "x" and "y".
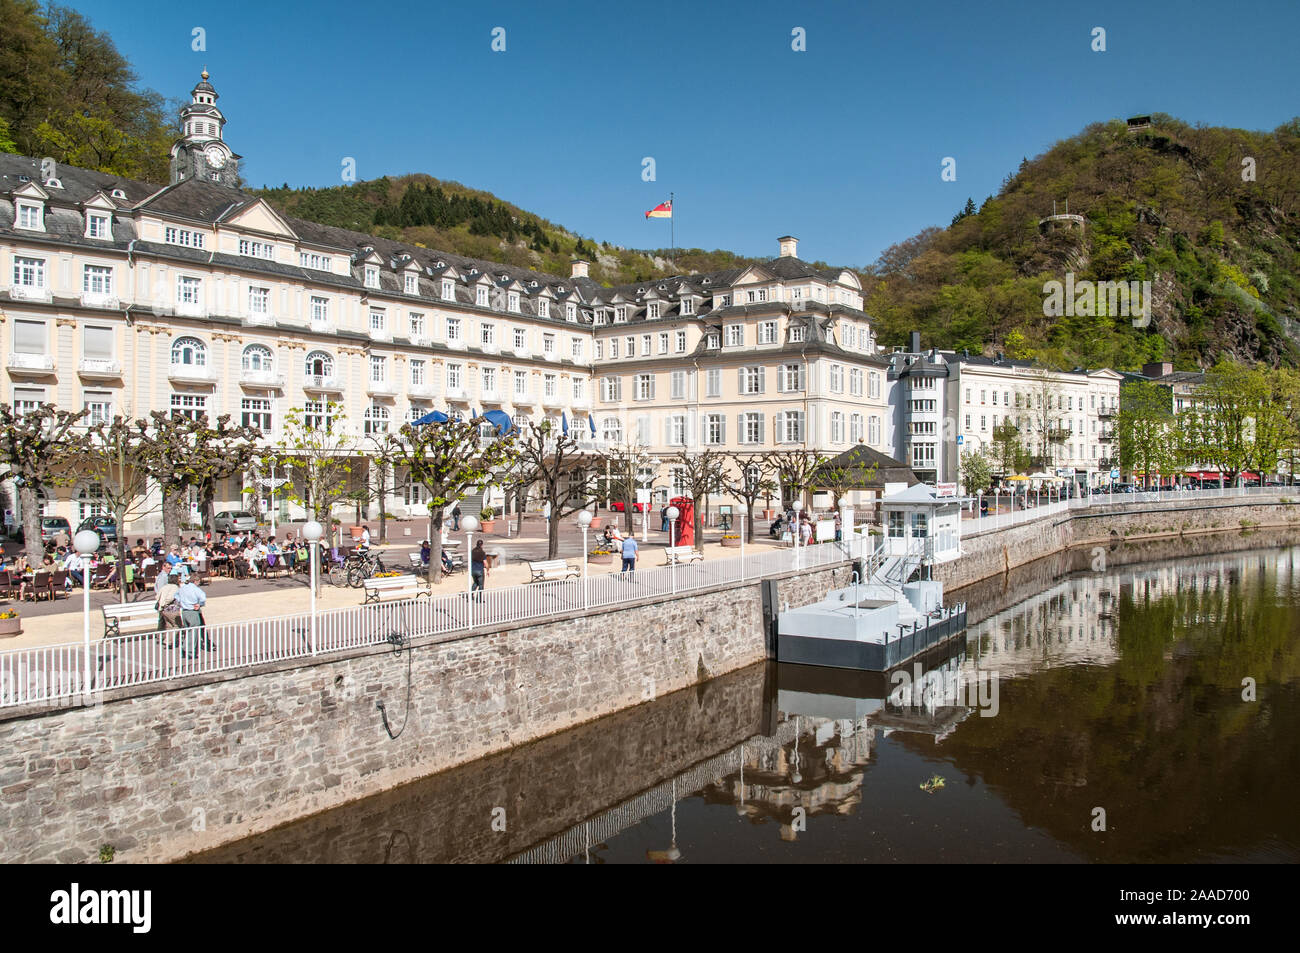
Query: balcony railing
{"x": 552, "y": 400}
{"x": 31, "y": 363}
{"x": 195, "y": 373}
{"x": 323, "y": 383}
{"x": 259, "y": 321}
{"x": 381, "y": 388}
{"x": 100, "y": 369}
{"x": 424, "y": 389}
{"x": 258, "y": 378}
{"x": 30, "y": 293}
{"x": 458, "y": 394}
{"x": 96, "y": 299}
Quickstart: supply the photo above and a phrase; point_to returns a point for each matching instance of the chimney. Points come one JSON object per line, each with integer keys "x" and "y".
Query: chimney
{"x": 789, "y": 246}
{"x": 1157, "y": 370}
{"x": 915, "y": 346}
{"x": 579, "y": 268}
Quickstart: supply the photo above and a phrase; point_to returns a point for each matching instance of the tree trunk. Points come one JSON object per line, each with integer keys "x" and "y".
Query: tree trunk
{"x": 749, "y": 520}
{"x": 383, "y": 515}
{"x": 434, "y": 570}
{"x": 207, "y": 507}
{"x": 699, "y": 531}
{"x": 31, "y": 508}
{"x": 628, "y": 496}
{"x": 553, "y": 532}
{"x": 120, "y": 517}
{"x": 519, "y": 511}
{"x": 171, "y": 517}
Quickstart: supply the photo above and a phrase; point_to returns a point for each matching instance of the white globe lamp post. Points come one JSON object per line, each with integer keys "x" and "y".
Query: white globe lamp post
{"x": 673, "y": 513}
{"x": 584, "y": 523}
{"x": 312, "y": 531}
{"x": 86, "y": 542}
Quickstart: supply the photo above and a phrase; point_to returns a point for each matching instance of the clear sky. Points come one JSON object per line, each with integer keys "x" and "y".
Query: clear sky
{"x": 840, "y": 145}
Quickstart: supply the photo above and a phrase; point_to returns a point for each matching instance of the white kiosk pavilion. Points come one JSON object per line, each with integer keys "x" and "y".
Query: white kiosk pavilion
{"x": 917, "y": 513}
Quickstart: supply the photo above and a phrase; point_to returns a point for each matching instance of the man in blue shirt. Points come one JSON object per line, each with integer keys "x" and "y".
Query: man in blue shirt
{"x": 629, "y": 554}
{"x": 192, "y": 600}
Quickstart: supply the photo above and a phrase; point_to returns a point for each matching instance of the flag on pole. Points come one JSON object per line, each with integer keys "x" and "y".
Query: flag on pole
{"x": 661, "y": 211}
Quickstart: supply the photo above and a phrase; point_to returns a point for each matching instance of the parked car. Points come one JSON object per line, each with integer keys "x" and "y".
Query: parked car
{"x": 617, "y": 507}
{"x": 52, "y": 526}
{"x": 105, "y": 526}
{"x": 235, "y": 521}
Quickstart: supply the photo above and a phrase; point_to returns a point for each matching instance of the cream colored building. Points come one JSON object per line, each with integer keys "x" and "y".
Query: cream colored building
{"x": 125, "y": 297}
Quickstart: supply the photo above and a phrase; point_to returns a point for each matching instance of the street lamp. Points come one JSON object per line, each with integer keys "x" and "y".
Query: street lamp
{"x": 584, "y": 523}
{"x": 312, "y": 531}
{"x": 798, "y": 527}
{"x": 673, "y": 513}
{"x": 86, "y": 542}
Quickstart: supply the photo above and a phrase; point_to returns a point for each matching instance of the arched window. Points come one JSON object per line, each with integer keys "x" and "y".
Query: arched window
{"x": 320, "y": 364}
{"x": 611, "y": 429}
{"x": 189, "y": 352}
{"x": 257, "y": 357}
{"x": 376, "y": 419}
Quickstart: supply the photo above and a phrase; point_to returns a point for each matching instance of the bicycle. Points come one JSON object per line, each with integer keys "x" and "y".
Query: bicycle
{"x": 361, "y": 566}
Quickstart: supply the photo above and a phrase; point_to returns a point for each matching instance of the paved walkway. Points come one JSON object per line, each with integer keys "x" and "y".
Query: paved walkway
{"x": 230, "y": 600}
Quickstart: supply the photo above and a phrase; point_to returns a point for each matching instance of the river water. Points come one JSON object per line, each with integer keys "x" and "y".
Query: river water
{"x": 1148, "y": 713}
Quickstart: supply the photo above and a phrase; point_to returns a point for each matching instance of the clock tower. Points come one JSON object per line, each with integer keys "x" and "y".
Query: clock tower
{"x": 200, "y": 152}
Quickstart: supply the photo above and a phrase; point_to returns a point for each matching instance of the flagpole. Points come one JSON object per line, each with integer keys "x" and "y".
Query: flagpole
{"x": 672, "y": 226}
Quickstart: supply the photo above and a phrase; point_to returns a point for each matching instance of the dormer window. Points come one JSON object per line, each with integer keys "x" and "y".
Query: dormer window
{"x": 97, "y": 226}
{"x": 481, "y": 296}
{"x": 372, "y": 276}
{"x": 448, "y": 289}
{"x": 714, "y": 340}
{"x": 543, "y": 308}
{"x": 412, "y": 283}
{"x": 31, "y": 215}
{"x": 571, "y": 312}
{"x": 796, "y": 333}
{"x": 118, "y": 194}
{"x": 254, "y": 249}
{"x": 688, "y": 306}
{"x": 620, "y": 314}
{"x": 512, "y": 301}
{"x": 652, "y": 310}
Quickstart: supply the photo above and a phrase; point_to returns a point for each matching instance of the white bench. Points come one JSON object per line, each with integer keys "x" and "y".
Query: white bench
{"x": 401, "y": 587}
{"x": 127, "y": 618}
{"x": 549, "y": 569}
{"x": 680, "y": 554}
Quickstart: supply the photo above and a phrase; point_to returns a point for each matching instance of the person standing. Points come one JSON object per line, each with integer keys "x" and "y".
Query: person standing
{"x": 630, "y": 548}
{"x": 192, "y": 600}
{"x": 169, "y": 610}
{"x": 478, "y": 567}
{"x": 455, "y": 519}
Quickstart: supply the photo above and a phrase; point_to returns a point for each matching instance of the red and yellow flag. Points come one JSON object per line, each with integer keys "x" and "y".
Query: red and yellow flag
{"x": 661, "y": 211}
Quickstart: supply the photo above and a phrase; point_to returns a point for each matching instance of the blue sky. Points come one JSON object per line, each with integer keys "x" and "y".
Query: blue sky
{"x": 840, "y": 145}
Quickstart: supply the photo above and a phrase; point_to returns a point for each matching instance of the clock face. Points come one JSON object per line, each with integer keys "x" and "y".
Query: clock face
{"x": 216, "y": 158}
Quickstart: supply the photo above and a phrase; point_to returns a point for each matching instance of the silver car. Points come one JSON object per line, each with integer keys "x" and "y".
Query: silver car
{"x": 235, "y": 521}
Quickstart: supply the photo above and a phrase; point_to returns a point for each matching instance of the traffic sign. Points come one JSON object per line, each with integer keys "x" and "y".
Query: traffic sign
{"x": 1114, "y": 473}
{"x": 960, "y": 440}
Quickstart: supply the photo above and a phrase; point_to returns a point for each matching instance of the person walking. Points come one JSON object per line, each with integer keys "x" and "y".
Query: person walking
{"x": 630, "y": 548}
{"x": 455, "y": 519}
{"x": 169, "y": 609}
{"x": 478, "y": 567}
{"x": 192, "y": 600}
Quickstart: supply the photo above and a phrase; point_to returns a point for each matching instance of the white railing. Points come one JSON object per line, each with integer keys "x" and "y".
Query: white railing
{"x": 56, "y": 674}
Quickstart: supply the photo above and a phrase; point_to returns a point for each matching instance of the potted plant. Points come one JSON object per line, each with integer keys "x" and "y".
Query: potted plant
{"x": 11, "y": 624}
{"x": 601, "y": 557}
{"x": 730, "y": 539}
{"x": 597, "y": 521}
{"x": 487, "y": 516}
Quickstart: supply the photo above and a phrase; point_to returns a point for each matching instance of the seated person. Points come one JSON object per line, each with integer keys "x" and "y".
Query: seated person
{"x": 447, "y": 565}
{"x": 425, "y": 549}
{"x": 776, "y": 528}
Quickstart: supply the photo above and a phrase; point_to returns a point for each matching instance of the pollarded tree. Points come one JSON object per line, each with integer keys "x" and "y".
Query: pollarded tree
{"x": 794, "y": 467}
{"x": 39, "y": 447}
{"x": 701, "y": 473}
{"x": 318, "y": 448}
{"x": 447, "y": 459}
{"x": 625, "y": 461}
{"x": 748, "y": 479}
{"x": 115, "y": 457}
{"x": 565, "y": 475}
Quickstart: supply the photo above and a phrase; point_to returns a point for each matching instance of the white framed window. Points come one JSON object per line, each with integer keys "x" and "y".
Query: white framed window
{"x": 378, "y": 369}
{"x": 645, "y": 387}
{"x": 415, "y": 320}
{"x": 183, "y": 236}
{"x": 796, "y": 333}
{"x": 418, "y": 373}
{"x": 611, "y": 430}
{"x": 653, "y": 310}
{"x": 259, "y": 301}
{"x": 378, "y": 321}
{"x": 611, "y": 389}
{"x": 677, "y": 385}
{"x": 790, "y": 426}
{"x": 411, "y": 283}
{"x": 96, "y": 343}
{"x": 837, "y": 427}
{"x": 751, "y": 427}
{"x": 481, "y": 296}
{"x": 489, "y": 379}
{"x": 681, "y": 342}
{"x": 521, "y": 383}
{"x": 189, "y": 352}
{"x": 550, "y": 385}
{"x": 548, "y": 345}
{"x": 688, "y": 305}
{"x": 28, "y": 400}
{"x": 767, "y": 332}
{"x": 735, "y": 335}
{"x": 315, "y": 261}
{"x": 252, "y": 249}
{"x": 487, "y": 335}
{"x": 453, "y": 330}
{"x": 372, "y": 276}
{"x": 453, "y": 377}
{"x": 620, "y": 314}
{"x": 97, "y": 226}
{"x": 90, "y": 501}
{"x": 875, "y": 384}
{"x": 751, "y": 380}
{"x": 257, "y": 357}
{"x": 97, "y": 280}
{"x": 631, "y": 346}
{"x": 646, "y": 344}
{"x": 571, "y": 312}
{"x": 448, "y": 289}
{"x": 850, "y": 337}
{"x": 318, "y": 366}
{"x": 713, "y": 341}
{"x": 599, "y": 348}
{"x": 613, "y": 348}
{"x": 791, "y": 377}
{"x": 99, "y": 406}
{"x": 377, "y": 419}
{"x": 318, "y": 415}
{"x": 521, "y": 340}
{"x": 855, "y": 381}
{"x": 713, "y": 382}
{"x": 320, "y": 311}
{"x": 189, "y": 291}
{"x": 512, "y": 301}
{"x": 543, "y": 307}
{"x": 31, "y": 215}
{"x": 29, "y": 272}
{"x": 663, "y": 342}
{"x": 855, "y": 428}
{"x": 837, "y": 378}
{"x": 576, "y": 348}
{"x": 715, "y": 430}
{"x": 192, "y": 406}
{"x": 256, "y": 412}
{"x": 676, "y": 430}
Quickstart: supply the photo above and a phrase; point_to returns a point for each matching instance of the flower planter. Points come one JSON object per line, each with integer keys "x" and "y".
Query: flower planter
{"x": 731, "y": 542}
{"x": 488, "y": 525}
{"x": 11, "y": 627}
{"x": 597, "y": 522}
{"x": 769, "y": 514}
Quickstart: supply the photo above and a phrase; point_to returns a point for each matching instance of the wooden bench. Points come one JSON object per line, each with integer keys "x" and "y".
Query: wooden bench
{"x": 400, "y": 587}
{"x": 680, "y": 554}
{"x": 549, "y": 569}
{"x": 125, "y": 618}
